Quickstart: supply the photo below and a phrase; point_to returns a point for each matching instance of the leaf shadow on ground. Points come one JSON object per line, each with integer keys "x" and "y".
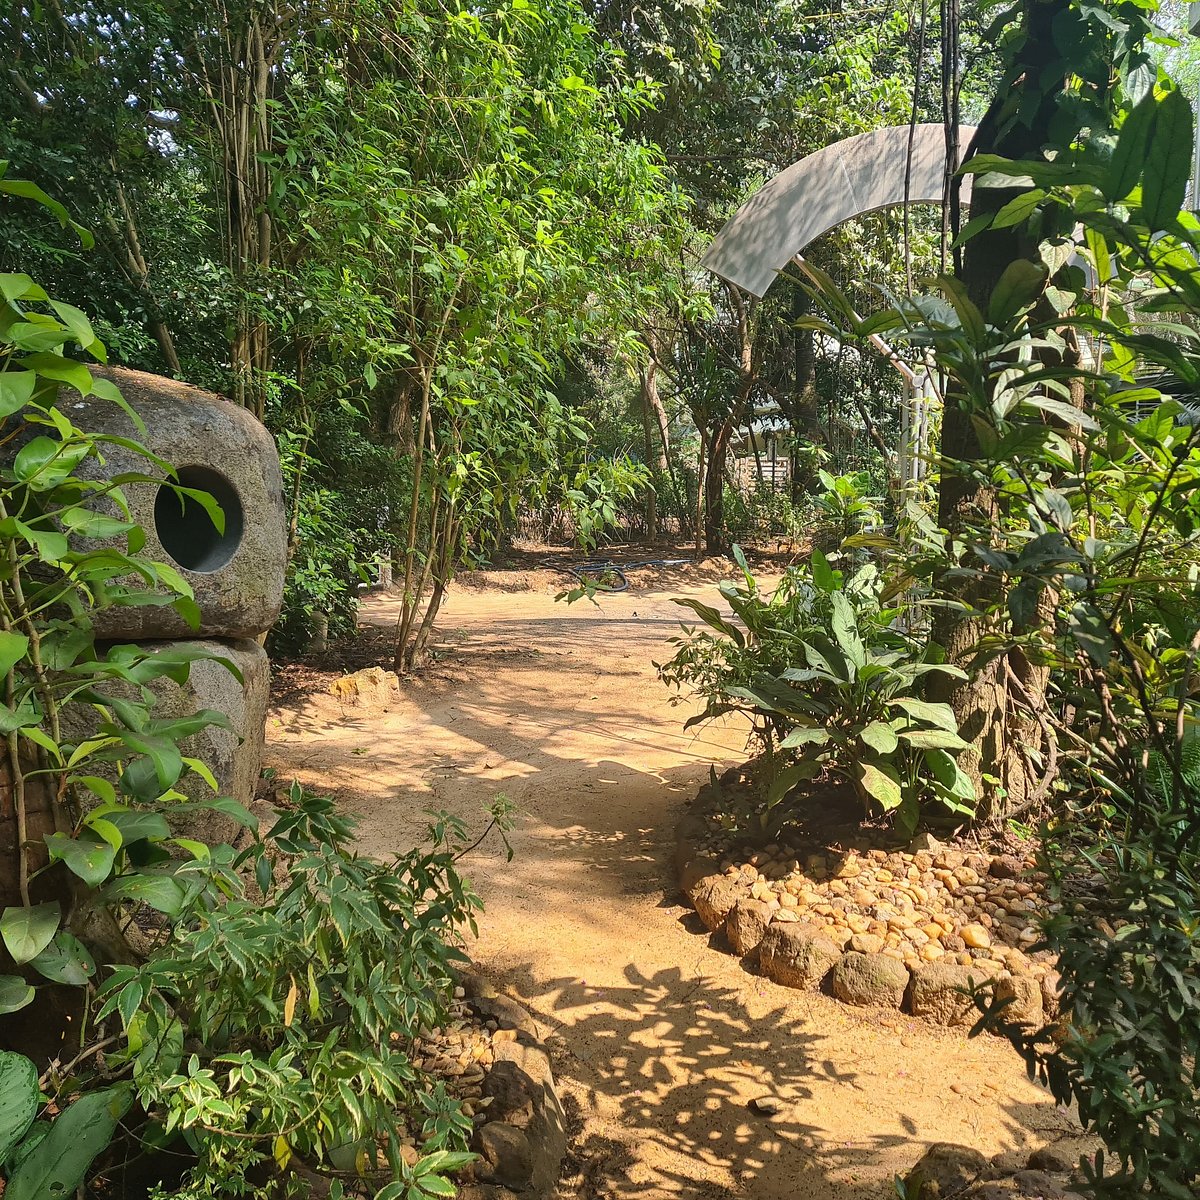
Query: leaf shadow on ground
{"x": 675, "y": 1057}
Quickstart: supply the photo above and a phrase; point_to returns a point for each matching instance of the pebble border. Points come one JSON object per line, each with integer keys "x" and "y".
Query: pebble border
{"x": 523, "y": 1140}
{"x": 792, "y": 953}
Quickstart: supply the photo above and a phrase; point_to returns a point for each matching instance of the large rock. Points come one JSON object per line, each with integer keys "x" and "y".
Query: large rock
{"x": 945, "y": 1170}
{"x": 1025, "y": 1185}
{"x": 506, "y": 1154}
{"x": 747, "y": 924}
{"x": 233, "y": 755}
{"x": 1051, "y": 993}
{"x": 938, "y": 993}
{"x": 217, "y": 447}
{"x": 713, "y": 898}
{"x": 372, "y": 687}
{"x": 1063, "y": 1157}
{"x": 1024, "y": 996}
{"x": 870, "y": 980}
{"x": 790, "y": 954}
{"x": 696, "y": 869}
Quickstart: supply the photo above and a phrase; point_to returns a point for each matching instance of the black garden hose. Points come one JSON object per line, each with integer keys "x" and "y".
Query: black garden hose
{"x": 598, "y": 569}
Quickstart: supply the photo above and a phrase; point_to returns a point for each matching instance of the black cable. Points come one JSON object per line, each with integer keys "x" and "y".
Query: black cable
{"x": 598, "y": 569}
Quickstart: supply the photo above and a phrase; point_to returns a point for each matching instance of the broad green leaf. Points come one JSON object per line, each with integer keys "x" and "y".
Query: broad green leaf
{"x": 90, "y": 859}
{"x": 881, "y": 783}
{"x": 61, "y": 370}
{"x": 950, "y": 775}
{"x": 66, "y": 960}
{"x": 27, "y": 712}
{"x": 787, "y": 779}
{"x": 1090, "y": 633}
{"x": 1168, "y": 161}
{"x": 804, "y": 737}
{"x": 94, "y": 525}
{"x": 823, "y": 575}
{"x": 932, "y": 739}
{"x": 941, "y": 715}
{"x": 199, "y": 767}
{"x": 97, "y": 785}
{"x": 12, "y": 649}
{"x": 1019, "y": 210}
{"x": 28, "y": 931}
{"x": 713, "y": 619}
{"x": 1019, "y": 286}
{"x": 15, "y": 993}
{"x": 43, "y": 463}
{"x": 970, "y": 319}
{"x": 136, "y": 825}
{"x": 880, "y": 737}
{"x": 160, "y": 892}
{"x": 76, "y": 321}
{"x": 19, "y": 1099}
{"x": 51, "y": 545}
{"x": 16, "y": 390}
{"x": 59, "y": 1164}
{"x": 844, "y": 623}
{"x": 226, "y": 805}
{"x": 19, "y": 287}
{"x": 1129, "y": 156}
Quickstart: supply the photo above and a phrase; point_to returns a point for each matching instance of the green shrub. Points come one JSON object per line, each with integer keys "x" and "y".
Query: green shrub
{"x": 320, "y": 596}
{"x": 832, "y": 686}
{"x": 766, "y": 512}
{"x": 845, "y": 508}
{"x": 92, "y": 836}
{"x": 274, "y": 1030}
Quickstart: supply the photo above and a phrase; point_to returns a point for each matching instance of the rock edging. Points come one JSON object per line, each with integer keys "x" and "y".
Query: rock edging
{"x": 946, "y": 1170}
{"x": 521, "y": 1137}
{"x": 798, "y": 950}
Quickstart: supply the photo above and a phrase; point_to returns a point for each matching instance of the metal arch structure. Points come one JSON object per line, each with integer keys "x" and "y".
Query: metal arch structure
{"x": 849, "y": 179}
{"x": 859, "y": 175}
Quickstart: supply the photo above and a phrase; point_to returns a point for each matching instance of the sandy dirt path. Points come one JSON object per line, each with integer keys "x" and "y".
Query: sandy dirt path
{"x": 660, "y": 1040}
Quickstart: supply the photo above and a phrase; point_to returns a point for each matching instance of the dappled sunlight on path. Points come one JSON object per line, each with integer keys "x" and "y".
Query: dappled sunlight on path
{"x": 660, "y": 1041}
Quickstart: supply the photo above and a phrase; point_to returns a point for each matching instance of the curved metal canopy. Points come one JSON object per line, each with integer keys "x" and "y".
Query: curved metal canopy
{"x": 848, "y": 179}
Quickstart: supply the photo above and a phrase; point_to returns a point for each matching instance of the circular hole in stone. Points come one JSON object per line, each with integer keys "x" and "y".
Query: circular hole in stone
{"x": 185, "y": 529}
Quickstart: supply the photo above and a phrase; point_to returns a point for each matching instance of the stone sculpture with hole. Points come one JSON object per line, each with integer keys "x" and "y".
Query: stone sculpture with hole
{"x": 236, "y": 572}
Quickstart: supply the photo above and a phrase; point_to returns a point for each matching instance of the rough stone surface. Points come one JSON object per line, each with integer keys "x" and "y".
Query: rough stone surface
{"x": 713, "y": 898}
{"x": 233, "y": 755}
{"x": 936, "y": 992}
{"x": 1039, "y": 1184}
{"x": 514, "y": 1094}
{"x": 948, "y": 1168}
{"x": 506, "y": 1152}
{"x": 507, "y": 1014}
{"x": 790, "y": 955}
{"x": 926, "y": 903}
{"x": 1024, "y": 994}
{"x": 1013, "y": 1189}
{"x": 746, "y": 925}
{"x": 696, "y": 869}
{"x": 870, "y": 980}
{"x": 925, "y": 843}
{"x": 188, "y": 427}
{"x": 1051, "y": 985}
{"x": 372, "y": 687}
{"x": 1061, "y": 1157}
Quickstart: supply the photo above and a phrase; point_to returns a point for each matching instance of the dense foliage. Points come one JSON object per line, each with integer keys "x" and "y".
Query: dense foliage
{"x": 439, "y": 251}
{"x": 199, "y": 1056}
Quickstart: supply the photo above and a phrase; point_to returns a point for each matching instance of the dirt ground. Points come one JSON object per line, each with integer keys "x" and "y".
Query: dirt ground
{"x": 660, "y": 1040}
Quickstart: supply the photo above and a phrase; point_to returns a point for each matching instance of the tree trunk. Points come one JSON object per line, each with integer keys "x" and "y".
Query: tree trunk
{"x": 997, "y": 705}
{"x": 646, "y": 378}
{"x": 801, "y": 406}
{"x": 714, "y": 490}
